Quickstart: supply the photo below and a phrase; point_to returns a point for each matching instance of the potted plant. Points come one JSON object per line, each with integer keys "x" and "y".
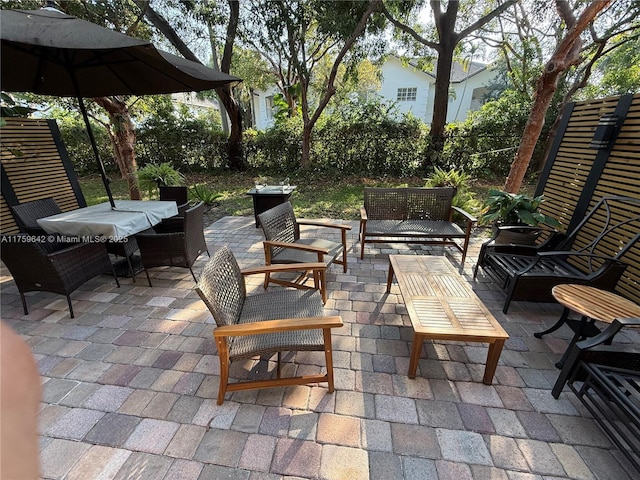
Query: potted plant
{"x": 517, "y": 211}
{"x": 153, "y": 176}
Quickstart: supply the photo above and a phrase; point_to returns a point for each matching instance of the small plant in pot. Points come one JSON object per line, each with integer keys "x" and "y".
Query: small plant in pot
{"x": 518, "y": 211}
{"x": 153, "y": 175}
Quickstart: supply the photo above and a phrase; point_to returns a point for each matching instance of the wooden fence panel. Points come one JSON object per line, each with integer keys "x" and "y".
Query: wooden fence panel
{"x": 35, "y": 165}
{"x": 577, "y": 176}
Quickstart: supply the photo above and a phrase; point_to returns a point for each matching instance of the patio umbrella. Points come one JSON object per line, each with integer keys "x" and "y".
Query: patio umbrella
{"x": 50, "y": 53}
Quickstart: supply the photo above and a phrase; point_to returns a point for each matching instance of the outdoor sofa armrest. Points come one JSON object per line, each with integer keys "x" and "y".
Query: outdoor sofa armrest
{"x": 470, "y": 218}
{"x": 274, "y": 326}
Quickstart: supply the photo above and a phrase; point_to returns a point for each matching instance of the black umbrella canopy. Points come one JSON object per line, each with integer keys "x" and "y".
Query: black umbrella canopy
{"x": 42, "y": 50}
{"x": 47, "y": 52}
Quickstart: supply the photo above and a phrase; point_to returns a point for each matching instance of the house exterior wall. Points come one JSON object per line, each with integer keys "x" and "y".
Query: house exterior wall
{"x": 394, "y": 76}
{"x": 467, "y": 94}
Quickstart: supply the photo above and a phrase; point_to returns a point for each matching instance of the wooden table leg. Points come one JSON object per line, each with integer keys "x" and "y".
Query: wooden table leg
{"x": 389, "y": 277}
{"x": 495, "y": 349}
{"x": 416, "y": 348}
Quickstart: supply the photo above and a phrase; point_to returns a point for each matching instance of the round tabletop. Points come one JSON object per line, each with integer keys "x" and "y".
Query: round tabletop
{"x": 595, "y": 303}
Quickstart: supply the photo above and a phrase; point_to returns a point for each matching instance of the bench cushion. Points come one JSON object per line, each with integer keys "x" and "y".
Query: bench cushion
{"x": 413, "y": 228}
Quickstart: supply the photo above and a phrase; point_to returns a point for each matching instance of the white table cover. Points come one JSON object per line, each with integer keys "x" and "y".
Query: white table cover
{"x": 129, "y": 217}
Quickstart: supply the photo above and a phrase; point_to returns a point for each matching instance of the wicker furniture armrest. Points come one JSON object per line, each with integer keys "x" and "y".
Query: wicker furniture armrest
{"x": 273, "y": 326}
{"x": 465, "y": 214}
{"x": 284, "y": 267}
{"x": 295, "y": 246}
{"x": 318, "y": 223}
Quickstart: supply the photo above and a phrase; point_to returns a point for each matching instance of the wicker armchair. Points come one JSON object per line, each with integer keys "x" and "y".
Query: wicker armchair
{"x": 180, "y": 195}
{"x": 283, "y": 245}
{"x": 34, "y": 269}
{"x": 176, "y": 249}
{"x": 27, "y": 214}
{"x": 276, "y": 321}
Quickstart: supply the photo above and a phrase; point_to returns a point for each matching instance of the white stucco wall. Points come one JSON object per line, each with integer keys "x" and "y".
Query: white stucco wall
{"x": 463, "y": 103}
{"x": 394, "y": 76}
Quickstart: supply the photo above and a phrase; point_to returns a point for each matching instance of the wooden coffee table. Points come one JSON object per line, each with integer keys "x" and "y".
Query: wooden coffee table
{"x": 442, "y": 306}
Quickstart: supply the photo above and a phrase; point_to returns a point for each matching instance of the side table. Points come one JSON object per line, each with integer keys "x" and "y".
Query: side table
{"x": 269, "y": 196}
{"x": 592, "y": 304}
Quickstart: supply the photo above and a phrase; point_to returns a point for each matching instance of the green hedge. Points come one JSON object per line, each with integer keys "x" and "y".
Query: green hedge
{"x": 358, "y": 139}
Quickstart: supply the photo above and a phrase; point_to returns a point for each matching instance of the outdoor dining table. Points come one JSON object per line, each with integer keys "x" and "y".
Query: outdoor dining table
{"x": 115, "y": 227}
{"x": 128, "y": 218}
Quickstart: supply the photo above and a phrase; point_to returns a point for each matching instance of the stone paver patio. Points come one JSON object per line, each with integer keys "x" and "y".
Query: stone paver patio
{"x": 129, "y": 387}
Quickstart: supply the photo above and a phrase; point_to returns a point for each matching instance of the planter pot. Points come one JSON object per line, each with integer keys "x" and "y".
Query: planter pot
{"x": 525, "y": 236}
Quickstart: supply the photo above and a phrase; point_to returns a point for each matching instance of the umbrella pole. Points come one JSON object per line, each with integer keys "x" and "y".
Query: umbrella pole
{"x": 92, "y": 139}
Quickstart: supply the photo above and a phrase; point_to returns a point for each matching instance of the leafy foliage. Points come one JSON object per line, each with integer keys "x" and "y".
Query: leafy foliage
{"x": 513, "y": 209}
{"x": 459, "y": 180}
{"x": 155, "y": 175}
{"x": 486, "y": 142}
{"x": 203, "y": 193}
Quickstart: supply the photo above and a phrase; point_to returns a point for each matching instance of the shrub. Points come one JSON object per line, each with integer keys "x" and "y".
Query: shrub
{"x": 459, "y": 180}
{"x": 155, "y": 175}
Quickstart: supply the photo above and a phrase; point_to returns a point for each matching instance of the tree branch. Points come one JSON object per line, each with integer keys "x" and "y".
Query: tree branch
{"x": 407, "y": 29}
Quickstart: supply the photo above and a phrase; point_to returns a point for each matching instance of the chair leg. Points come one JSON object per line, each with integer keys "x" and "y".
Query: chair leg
{"x": 70, "y": 306}
{"x": 24, "y": 303}
{"x": 223, "y": 354}
{"x": 193, "y": 275}
{"x": 148, "y": 277}
{"x": 133, "y": 275}
{"x": 328, "y": 355}
{"x": 344, "y": 251}
{"x": 266, "y": 280}
{"x": 278, "y": 366}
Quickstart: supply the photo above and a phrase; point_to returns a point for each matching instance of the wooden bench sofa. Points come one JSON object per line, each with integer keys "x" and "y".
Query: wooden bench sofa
{"x": 413, "y": 215}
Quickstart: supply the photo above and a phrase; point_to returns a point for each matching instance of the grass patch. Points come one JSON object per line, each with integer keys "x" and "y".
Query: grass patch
{"x": 315, "y": 197}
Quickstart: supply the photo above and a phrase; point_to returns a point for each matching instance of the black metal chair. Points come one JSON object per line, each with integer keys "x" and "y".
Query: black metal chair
{"x": 280, "y": 320}
{"x": 177, "y": 249}
{"x": 592, "y": 254}
{"x": 284, "y": 245}
{"x": 605, "y": 377}
{"x": 34, "y": 269}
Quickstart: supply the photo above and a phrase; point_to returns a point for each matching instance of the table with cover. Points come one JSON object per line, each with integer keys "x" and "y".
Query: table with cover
{"x": 129, "y": 217}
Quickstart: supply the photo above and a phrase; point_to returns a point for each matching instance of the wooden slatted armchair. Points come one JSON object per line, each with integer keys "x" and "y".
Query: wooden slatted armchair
{"x": 593, "y": 253}
{"x": 35, "y": 269}
{"x": 176, "y": 249}
{"x": 276, "y": 321}
{"x": 284, "y": 245}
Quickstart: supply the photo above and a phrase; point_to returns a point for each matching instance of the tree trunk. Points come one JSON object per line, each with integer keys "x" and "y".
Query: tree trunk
{"x": 234, "y": 149}
{"x": 305, "y": 163}
{"x": 123, "y": 138}
{"x": 566, "y": 54}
